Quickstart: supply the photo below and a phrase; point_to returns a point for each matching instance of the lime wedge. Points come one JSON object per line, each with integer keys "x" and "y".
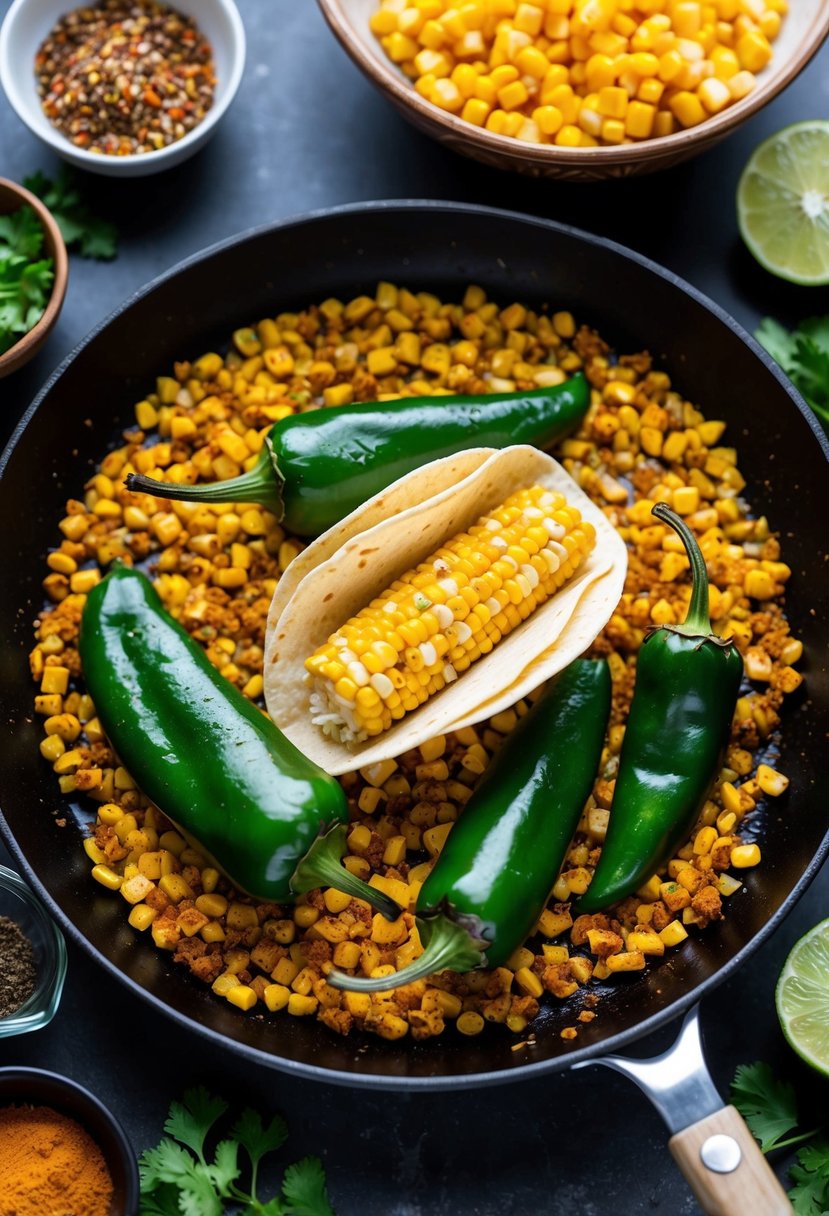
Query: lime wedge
{"x": 783, "y": 203}
{"x": 802, "y": 997}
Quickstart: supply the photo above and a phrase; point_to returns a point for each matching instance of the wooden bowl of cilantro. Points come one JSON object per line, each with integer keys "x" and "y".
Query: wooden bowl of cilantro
{"x": 33, "y": 272}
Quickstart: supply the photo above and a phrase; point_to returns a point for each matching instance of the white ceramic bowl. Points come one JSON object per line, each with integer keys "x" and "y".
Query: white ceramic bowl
{"x": 28, "y": 22}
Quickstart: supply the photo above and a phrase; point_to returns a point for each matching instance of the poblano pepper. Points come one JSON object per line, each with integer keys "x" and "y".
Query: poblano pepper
{"x": 687, "y": 681}
{"x": 206, "y": 756}
{"x": 491, "y": 881}
{"x": 315, "y": 468}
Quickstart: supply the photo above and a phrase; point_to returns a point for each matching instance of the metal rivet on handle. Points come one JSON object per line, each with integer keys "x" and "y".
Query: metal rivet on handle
{"x": 721, "y": 1154}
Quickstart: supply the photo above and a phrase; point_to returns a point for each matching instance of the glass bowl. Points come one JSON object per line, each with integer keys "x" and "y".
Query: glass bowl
{"x": 20, "y": 904}
{"x": 35, "y": 1087}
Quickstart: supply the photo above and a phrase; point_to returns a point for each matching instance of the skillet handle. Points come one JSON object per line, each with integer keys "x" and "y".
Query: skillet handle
{"x": 725, "y": 1169}
{"x": 711, "y": 1144}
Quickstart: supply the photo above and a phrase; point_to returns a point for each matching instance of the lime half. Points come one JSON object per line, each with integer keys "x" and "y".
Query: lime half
{"x": 802, "y": 997}
{"x": 783, "y": 203}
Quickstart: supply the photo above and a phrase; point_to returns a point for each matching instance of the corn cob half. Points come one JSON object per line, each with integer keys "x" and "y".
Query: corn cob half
{"x": 436, "y": 620}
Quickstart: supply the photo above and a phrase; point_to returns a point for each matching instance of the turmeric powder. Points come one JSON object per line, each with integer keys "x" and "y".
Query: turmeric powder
{"x": 50, "y": 1166}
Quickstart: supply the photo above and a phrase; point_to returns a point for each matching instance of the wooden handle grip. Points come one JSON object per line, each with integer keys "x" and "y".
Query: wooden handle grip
{"x": 749, "y": 1190}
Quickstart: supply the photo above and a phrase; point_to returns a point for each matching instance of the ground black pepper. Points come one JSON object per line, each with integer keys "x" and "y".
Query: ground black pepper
{"x": 17, "y": 967}
{"x": 125, "y": 76}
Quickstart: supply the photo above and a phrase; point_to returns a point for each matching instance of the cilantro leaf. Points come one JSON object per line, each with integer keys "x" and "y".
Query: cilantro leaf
{"x": 190, "y": 1121}
{"x": 167, "y": 1162}
{"x": 257, "y": 1138}
{"x": 225, "y": 1168}
{"x": 303, "y": 1189}
{"x": 84, "y": 232}
{"x": 161, "y": 1201}
{"x": 767, "y": 1105}
{"x": 178, "y": 1182}
{"x": 810, "y": 1193}
{"x": 21, "y": 233}
{"x": 803, "y": 355}
{"x": 777, "y": 341}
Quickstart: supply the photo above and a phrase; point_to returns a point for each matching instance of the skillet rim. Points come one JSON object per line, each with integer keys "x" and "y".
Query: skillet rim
{"x": 434, "y": 1083}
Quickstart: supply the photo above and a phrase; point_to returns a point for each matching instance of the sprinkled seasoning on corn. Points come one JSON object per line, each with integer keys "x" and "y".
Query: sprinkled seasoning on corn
{"x": 577, "y": 73}
{"x": 639, "y": 432}
{"x": 435, "y": 621}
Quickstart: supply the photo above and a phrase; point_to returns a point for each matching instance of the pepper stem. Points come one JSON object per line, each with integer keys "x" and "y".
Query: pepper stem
{"x": 697, "y": 621}
{"x": 321, "y": 867}
{"x": 259, "y": 485}
{"x": 447, "y": 945}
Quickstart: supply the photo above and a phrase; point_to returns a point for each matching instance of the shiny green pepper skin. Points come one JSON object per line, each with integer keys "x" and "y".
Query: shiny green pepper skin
{"x": 493, "y": 877}
{"x": 319, "y": 466}
{"x": 687, "y": 681}
{"x": 208, "y": 758}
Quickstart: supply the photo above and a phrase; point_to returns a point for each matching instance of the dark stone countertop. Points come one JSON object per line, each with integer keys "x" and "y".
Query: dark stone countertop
{"x": 296, "y": 140}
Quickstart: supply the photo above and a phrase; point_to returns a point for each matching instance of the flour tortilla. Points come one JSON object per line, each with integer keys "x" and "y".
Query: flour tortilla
{"x": 355, "y": 561}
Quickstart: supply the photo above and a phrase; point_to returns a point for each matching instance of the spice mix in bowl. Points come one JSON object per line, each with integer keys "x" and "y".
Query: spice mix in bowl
{"x": 126, "y": 87}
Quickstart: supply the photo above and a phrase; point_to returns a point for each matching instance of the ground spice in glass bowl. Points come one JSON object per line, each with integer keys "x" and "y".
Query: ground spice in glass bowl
{"x": 32, "y": 960}
{"x": 18, "y": 972}
{"x": 125, "y": 77}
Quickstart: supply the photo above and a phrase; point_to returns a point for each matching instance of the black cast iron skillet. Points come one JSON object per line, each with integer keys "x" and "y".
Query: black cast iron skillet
{"x": 440, "y": 247}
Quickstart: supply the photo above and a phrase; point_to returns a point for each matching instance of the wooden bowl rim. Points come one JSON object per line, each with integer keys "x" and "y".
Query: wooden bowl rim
{"x": 28, "y": 344}
{"x": 663, "y": 147}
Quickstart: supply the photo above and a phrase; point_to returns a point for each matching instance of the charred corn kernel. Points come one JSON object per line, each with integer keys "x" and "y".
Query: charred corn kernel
{"x": 646, "y": 941}
{"x": 305, "y": 915}
{"x": 395, "y": 851}
{"x": 625, "y": 960}
{"x": 212, "y": 905}
{"x": 529, "y": 982}
{"x": 522, "y": 957}
{"x": 146, "y": 415}
{"x": 673, "y": 933}
{"x": 745, "y": 855}
{"x": 276, "y": 997}
{"x": 470, "y": 1023}
{"x": 175, "y": 888}
{"x": 107, "y": 877}
{"x": 52, "y": 747}
{"x": 436, "y": 635}
{"x": 704, "y": 840}
{"x": 137, "y": 888}
{"x": 727, "y": 884}
{"x": 770, "y": 781}
{"x": 370, "y": 798}
{"x": 242, "y": 996}
{"x": 435, "y": 838}
{"x": 141, "y": 916}
{"x": 359, "y": 838}
{"x": 302, "y": 1006}
{"x": 93, "y": 852}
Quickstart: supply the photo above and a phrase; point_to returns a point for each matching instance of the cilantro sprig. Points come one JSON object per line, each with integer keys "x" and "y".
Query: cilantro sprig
{"x": 803, "y": 355}
{"x": 769, "y": 1107}
{"x": 83, "y": 232}
{"x": 25, "y": 276}
{"x": 179, "y": 1177}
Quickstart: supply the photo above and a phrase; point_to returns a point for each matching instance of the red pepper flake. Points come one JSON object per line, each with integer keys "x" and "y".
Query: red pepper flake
{"x": 127, "y": 76}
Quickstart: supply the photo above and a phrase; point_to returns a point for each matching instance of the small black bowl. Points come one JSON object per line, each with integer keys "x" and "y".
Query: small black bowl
{"x": 34, "y": 1086}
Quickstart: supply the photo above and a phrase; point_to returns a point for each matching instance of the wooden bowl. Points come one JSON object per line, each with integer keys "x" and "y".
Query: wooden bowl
{"x": 13, "y": 196}
{"x": 804, "y": 29}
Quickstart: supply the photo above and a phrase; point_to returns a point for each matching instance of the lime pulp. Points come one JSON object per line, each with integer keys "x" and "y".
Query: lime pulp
{"x": 802, "y": 997}
{"x": 783, "y": 203}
